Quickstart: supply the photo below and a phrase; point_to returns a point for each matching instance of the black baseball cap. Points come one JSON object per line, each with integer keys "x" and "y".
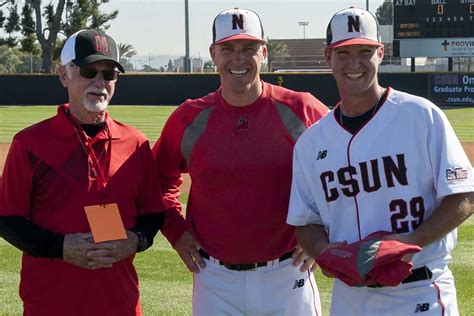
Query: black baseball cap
{"x": 89, "y": 46}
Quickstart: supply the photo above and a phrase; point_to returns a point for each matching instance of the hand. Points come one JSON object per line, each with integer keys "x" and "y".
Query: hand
{"x": 116, "y": 249}
{"x": 77, "y": 246}
{"x": 187, "y": 249}
{"x": 299, "y": 256}
{"x": 329, "y": 246}
{"x": 406, "y": 239}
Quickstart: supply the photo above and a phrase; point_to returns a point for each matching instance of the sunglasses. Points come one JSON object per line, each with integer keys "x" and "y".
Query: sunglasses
{"x": 91, "y": 72}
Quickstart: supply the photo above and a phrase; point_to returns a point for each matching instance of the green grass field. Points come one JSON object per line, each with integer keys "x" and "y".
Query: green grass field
{"x": 463, "y": 122}
{"x": 166, "y": 286}
{"x": 149, "y": 119}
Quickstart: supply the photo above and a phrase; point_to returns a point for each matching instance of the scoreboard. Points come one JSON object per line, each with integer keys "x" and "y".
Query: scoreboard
{"x": 416, "y": 19}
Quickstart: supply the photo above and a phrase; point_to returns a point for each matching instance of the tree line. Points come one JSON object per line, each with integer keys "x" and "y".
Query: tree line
{"x": 33, "y": 31}
{"x": 36, "y": 31}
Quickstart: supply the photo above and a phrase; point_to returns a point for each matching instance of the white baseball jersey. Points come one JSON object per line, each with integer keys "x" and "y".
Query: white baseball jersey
{"x": 390, "y": 175}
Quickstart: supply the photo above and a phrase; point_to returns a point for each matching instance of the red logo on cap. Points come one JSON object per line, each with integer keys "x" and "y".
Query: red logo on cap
{"x": 101, "y": 44}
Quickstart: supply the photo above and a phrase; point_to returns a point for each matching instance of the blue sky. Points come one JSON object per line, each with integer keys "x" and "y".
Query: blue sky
{"x": 156, "y": 27}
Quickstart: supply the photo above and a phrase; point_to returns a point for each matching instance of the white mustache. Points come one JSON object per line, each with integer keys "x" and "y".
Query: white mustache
{"x": 92, "y": 90}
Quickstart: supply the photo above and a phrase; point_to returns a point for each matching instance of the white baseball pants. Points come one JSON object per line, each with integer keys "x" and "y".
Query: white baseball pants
{"x": 435, "y": 297}
{"x": 276, "y": 289}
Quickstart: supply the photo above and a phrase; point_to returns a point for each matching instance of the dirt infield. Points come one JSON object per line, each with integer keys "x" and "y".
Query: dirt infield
{"x": 468, "y": 147}
{"x": 3, "y": 156}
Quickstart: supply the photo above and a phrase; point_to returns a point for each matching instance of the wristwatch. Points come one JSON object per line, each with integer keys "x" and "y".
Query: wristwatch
{"x": 142, "y": 241}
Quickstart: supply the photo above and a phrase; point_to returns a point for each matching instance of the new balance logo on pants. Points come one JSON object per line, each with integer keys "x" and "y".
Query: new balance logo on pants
{"x": 422, "y": 307}
{"x": 298, "y": 283}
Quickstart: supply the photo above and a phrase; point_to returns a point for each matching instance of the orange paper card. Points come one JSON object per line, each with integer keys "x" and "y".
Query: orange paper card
{"x": 105, "y": 222}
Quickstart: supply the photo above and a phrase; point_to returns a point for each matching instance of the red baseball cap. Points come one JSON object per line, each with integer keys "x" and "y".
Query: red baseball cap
{"x": 369, "y": 261}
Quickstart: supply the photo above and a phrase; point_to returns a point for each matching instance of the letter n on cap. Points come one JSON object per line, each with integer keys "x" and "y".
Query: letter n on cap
{"x": 353, "y": 23}
{"x": 101, "y": 44}
{"x": 237, "y": 20}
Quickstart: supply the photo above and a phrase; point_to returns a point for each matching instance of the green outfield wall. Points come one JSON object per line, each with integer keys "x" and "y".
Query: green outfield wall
{"x": 445, "y": 89}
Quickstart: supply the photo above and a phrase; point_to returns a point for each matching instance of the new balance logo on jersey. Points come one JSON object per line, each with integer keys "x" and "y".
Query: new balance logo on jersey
{"x": 420, "y": 308}
{"x": 456, "y": 174}
{"x": 322, "y": 154}
{"x": 298, "y": 283}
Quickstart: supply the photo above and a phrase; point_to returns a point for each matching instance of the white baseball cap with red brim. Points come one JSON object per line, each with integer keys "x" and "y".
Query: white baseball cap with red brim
{"x": 353, "y": 26}
{"x": 237, "y": 24}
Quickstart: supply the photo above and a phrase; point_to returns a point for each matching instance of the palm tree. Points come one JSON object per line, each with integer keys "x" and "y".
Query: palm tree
{"x": 126, "y": 50}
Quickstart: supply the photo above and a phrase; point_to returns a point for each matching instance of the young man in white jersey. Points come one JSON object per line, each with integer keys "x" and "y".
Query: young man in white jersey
{"x": 383, "y": 160}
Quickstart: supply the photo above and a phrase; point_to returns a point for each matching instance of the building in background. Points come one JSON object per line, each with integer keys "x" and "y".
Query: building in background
{"x": 307, "y": 55}
{"x": 197, "y": 64}
{"x": 298, "y": 55}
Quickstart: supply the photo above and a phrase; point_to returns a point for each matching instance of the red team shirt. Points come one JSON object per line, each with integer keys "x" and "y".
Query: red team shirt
{"x": 240, "y": 162}
{"x": 46, "y": 180}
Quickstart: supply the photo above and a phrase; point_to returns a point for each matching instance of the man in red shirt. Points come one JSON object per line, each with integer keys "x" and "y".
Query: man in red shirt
{"x": 237, "y": 144}
{"x": 76, "y": 159}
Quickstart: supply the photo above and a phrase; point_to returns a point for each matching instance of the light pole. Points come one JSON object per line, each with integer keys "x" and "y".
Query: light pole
{"x": 149, "y": 59}
{"x": 303, "y": 24}
{"x": 367, "y": 5}
{"x": 187, "y": 64}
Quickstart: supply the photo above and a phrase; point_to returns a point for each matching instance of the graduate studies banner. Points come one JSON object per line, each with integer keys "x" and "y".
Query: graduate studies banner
{"x": 452, "y": 89}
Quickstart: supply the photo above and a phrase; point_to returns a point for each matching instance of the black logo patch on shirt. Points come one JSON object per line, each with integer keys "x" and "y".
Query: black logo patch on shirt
{"x": 456, "y": 174}
{"x": 242, "y": 124}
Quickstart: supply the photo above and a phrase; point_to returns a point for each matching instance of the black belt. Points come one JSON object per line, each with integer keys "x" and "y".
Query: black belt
{"x": 244, "y": 266}
{"x": 419, "y": 274}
